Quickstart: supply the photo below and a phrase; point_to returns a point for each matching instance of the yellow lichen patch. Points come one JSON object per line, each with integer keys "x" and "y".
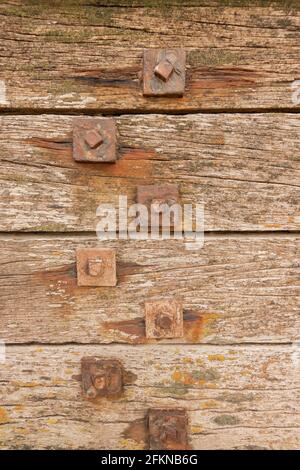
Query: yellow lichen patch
{"x": 209, "y": 404}
{"x": 25, "y": 384}
{"x": 51, "y": 421}
{"x": 4, "y": 418}
{"x": 39, "y": 349}
{"x": 21, "y": 431}
{"x": 19, "y": 407}
{"x": 196, "y": 429}
{"x": 187, "y": 360}
{"x": 177, "y": 376}
{"x": 58, "y": 381}
{"x": 130, "y": 444}
{"x": 69, "y": 371}
{"x": 216, "y": 357}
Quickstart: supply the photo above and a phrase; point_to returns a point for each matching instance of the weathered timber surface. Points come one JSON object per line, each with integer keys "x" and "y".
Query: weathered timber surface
{"x": 236, "y": 398}
{"x": 245, "y": 169}
{"x": 69, "y": 55}
{"x": 234, "y": 290}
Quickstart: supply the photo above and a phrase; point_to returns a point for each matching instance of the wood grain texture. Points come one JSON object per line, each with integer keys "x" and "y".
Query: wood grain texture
{"x": 70, "y": 55}
{"x": 244, "y": 168}
{"x": 233, "y": 290}
{"x": 236, "y": 398}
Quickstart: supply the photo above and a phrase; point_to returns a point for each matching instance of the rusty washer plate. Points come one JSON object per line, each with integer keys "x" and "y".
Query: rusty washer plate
{"x": 101, "y": 377}
{"x": 155, "y": 196}
{"x": 168, "y": 429}
{"x": 164, "y": 72}
{"x": 96, "y": 267}
{"x": 164, "y": 318}
{"x": 94, "y": 139}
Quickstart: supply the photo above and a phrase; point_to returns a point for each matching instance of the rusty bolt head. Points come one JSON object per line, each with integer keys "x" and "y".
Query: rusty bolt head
{"x": 101, "y": 377}
{"x": 99, "y": 381}
{"x": 168, "y": 429}
{"x": 164, "y": 318}
{"x": 93, "y": 138}
{"x": 96, "y": 267}
{"x": 164, "y": 72}
{"x": 163, "y": 322}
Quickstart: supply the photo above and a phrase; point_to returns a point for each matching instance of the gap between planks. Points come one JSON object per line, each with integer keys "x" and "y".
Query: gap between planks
{"x": 117, "y": 112}
{"x": 290, "y": 235}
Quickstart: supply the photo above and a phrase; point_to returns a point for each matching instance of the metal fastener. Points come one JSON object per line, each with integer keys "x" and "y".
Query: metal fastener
{"x": 164, "y": 72}
{"x": 158, "y": 199}
{"x": 96, "y": 267}
{"x": 101, "y": 377}
{"x": 168, "y": 429}
{"x": 164, "y": 318}
{"x": 94, "y": 139}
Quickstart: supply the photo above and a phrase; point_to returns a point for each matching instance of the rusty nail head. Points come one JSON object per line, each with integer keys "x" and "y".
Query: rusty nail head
{"x": 96, "y": 267}
{"x": 101, "y": 377}
{"x": 168, "y": 429}
{"x": 94, "y": 139}
{"x": 164, "y": 318}
{"x": 158, "y": 197}
{"x": 164, "y": 72}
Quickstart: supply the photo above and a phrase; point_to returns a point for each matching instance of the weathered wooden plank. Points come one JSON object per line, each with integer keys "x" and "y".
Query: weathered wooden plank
{"x": 236, "y": 398}
{"x": 234, "y": 290}
{"x": 68, "y": 55}
{"x": 244, "y": 168}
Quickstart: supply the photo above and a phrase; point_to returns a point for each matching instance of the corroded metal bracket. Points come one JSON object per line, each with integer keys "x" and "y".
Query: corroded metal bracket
{"x": 101, "y": 377}
{"x": 94, "y": 140}
{"x": 96, "y": 267}
{"x": 164, "y": 318}
{"x": 164, "y": 72}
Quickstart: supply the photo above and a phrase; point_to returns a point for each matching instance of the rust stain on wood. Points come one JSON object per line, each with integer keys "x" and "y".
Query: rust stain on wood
{"x": 58, "y": 144}
{"x": 137, "y": 431}
{"x": 134, "y": 327}
{"x": 223, "y": 78}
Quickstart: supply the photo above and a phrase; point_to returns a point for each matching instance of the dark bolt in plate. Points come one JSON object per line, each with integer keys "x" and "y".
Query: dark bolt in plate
{"x": 159, "y": 197}
{"x": 164, "y": 318}
{"x": 164, "y": 72}
{"x": 168, "y": 429}
{"x": 94, "y": 139}
{"x": 96, "y": 267}
{"x": 101, "y": 377}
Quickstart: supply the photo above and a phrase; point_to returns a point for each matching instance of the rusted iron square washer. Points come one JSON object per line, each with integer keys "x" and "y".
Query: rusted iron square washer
{"x": 168, "y": 429}
{"x": 164, "y": 318}
{"x": 101, "y": 377}
{"x": 158, "y": 197}
{"x": 164, "y": 72}
{"x": 94, "y": 139}
{"x": 96, "y": 267}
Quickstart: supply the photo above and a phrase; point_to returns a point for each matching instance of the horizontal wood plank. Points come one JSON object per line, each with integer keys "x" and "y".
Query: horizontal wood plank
{"x": 244, "y": 168}
{"x": 69, "y": 55}
{"x": 236, "y": 398}
{"x": 234, "y": 290}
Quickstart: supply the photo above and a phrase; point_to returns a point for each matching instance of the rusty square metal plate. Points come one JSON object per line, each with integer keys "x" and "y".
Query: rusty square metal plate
{"x": 94, "y": 139}
{"x": 101, "y": 377}
{"x": 168, "y": 429}
{"x": 164, "y": 72}
{"x": 164, "y": 318}
{"x": 157, "y": 196}
{"x": 96, "y": 267}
